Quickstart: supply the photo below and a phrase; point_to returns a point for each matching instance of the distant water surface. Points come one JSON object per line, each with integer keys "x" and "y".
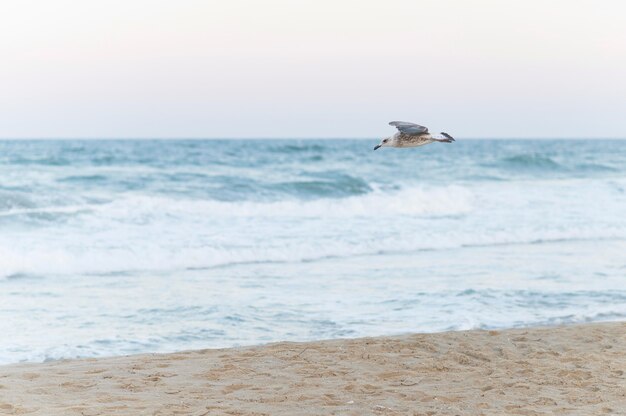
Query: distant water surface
{"x": 119, "y": 247}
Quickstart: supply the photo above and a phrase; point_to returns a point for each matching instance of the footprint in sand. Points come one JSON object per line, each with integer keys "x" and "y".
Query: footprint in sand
{"x": 234, "y": 387}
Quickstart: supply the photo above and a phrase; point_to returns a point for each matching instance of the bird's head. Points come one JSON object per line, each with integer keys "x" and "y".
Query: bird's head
{"x": 383, "y": 143}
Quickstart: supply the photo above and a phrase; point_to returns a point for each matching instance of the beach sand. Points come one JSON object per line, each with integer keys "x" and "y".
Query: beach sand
{"x": 561, "y": 370}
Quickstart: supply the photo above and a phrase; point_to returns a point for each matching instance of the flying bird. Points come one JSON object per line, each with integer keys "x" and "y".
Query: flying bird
{"x": 411, "y": 135}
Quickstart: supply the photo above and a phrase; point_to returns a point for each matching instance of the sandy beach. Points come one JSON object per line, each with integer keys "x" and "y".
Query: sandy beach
{"x": 561, "y": 370}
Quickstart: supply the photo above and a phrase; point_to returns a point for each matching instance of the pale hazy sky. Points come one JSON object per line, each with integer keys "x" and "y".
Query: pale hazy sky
{"x": 323, "y": 68}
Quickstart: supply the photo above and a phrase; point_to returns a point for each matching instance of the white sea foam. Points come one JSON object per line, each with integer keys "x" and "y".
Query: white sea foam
{"x": 157, "y": 234}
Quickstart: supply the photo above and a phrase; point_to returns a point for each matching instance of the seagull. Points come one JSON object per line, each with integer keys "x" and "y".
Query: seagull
{"x": 411, "y": 135}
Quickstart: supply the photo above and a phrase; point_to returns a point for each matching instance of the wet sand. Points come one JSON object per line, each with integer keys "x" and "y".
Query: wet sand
{"x": 577, "y": 369}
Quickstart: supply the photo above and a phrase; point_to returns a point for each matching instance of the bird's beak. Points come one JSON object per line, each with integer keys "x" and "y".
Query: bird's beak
{"x": 377, "y": 146}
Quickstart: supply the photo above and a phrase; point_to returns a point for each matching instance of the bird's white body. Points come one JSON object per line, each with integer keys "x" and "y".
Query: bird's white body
{"x": 406, "y": 140}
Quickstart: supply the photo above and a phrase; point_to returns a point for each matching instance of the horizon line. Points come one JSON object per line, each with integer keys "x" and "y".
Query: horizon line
{"x": 291, "y": 138}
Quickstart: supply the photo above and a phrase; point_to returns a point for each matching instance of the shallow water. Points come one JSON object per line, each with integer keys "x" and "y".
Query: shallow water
{"x": 117, "y": 247}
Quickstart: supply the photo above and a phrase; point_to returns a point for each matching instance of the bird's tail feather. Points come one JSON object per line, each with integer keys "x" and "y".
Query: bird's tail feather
{"x": 447, "y": 136}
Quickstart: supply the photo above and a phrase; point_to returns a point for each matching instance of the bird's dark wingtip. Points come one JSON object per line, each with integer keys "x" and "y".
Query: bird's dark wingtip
{"x": 447, "y": 136}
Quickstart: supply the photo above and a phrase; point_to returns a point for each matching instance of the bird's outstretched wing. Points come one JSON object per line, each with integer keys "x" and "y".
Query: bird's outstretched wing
{"x": 409, "y": 128}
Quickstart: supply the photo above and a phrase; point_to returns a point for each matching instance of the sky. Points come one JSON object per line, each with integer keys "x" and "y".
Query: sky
{"x": 299, "y": 68}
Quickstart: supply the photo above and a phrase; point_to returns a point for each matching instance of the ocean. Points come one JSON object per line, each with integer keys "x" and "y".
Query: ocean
{"x": 112, "y": 247}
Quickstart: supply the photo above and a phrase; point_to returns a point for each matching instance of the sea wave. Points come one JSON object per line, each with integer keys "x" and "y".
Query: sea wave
{"x": 595, "y": 167}
{"x": 359, "y": 199}
{"x": 450, "y": 200}
{"x": 530, "y": 161}
{"x": 289, "y": 147}
{"x": 136, "y": 232}
{"x": 15, "y": 200}
{"x": 536, "y": 162}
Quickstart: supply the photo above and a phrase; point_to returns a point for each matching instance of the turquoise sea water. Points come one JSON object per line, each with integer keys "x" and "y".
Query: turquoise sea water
{"x": 118, "y": 247}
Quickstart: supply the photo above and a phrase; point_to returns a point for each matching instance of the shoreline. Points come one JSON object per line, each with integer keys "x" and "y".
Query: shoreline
{"x": 549, "y": 370}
